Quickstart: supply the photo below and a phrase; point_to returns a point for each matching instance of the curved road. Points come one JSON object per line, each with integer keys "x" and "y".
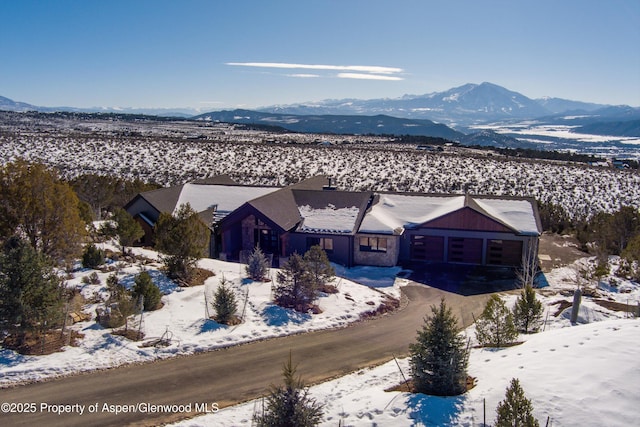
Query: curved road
{"x": 232, "y": 375}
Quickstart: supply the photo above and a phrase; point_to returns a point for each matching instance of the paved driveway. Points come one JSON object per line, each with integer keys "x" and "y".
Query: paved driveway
{"x": 232, "y": 375}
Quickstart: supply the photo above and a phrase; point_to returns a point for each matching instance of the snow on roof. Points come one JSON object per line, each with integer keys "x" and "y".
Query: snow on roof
{"x": 518, "y": 214}
{"x": 227, "y": 197}
{"x": 328, "y": 219}
{"x": 395, "y": 212}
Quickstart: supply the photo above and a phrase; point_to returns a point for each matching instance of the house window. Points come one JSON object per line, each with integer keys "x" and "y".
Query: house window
{"x": 373, "y": 244}
{"x": 325, "y": 243}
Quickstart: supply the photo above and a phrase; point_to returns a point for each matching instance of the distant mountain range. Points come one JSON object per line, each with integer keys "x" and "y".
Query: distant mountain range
{"x": 449, "y": 114}
{"x": 7, "y": 104}
{"x": 463, "y": 106}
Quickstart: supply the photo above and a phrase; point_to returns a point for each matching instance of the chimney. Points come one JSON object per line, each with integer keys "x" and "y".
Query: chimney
{"x": 329, "y": 186}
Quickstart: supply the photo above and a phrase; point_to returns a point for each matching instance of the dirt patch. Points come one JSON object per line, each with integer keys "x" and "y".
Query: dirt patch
{"x": 130, "y": 334}
{"x": 50, "y": 342}
{"x": 199, "y": 276}
{"x": 558, "y": 251}
{"x": 388, "y": 305}
{"x": 562, "y": 306}
{"x": 409, "y": 386}
{"x": 618, "y": 306}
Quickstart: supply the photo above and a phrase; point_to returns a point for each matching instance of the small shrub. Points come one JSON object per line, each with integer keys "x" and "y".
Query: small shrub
{"x": 224, "y": 303}
{"x": 495, "y": 327}
{"x": 527, "y": 312}
{"x": 92, "y": 257}
{"x": 257, "y": 265}
{"x": 515, "y": 409}
{"x": 149, "y": 291}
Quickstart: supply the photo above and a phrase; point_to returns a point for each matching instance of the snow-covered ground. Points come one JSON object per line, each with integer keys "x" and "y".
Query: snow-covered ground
{"x": 584, "y": 374}
{"x": 575, "y": 375}
{"x": 184, "y": 319}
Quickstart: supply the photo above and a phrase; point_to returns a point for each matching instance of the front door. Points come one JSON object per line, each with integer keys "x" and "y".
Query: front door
{"x": 268, "y": 241}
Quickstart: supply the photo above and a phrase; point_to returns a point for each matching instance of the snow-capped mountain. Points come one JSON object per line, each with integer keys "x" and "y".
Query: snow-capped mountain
{"x": 460, "y": 106}
{"x": 7, "y": 104}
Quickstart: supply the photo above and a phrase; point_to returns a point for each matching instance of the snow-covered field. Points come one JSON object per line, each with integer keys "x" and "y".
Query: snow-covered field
{"x": 163, "y": 153}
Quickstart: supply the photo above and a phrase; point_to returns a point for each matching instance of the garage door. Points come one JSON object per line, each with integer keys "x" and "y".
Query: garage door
{"x": 465, "y": 250}
{"x": 427, "y": 248}
{"x": 504, "y": 252}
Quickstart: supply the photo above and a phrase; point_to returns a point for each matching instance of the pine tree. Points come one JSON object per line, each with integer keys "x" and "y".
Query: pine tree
{"x": 183, "y": 237}
{"x": 257, "y": 265}
{"x": 144, "y": 287}
{"x": 527, "y": 313}
{"x": 439, "y": 358}
{"x": 127, "y": 229}
{"x": 295, "y": 288}
{"x": 36, "y": 203}
{"x": 31, "y": 295}
{"x": 121, "y": 303}
{"x": 515, "y": 410}
{"x": 318, "y": 266}
{"x": 224, "y": 302}
{"x": 289, "y": 405}
{"x": 495, "y": 327}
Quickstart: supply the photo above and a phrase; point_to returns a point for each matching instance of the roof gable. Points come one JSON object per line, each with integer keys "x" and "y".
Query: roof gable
{"x": 392, "y": 213}
{"x": 467, "y": 218}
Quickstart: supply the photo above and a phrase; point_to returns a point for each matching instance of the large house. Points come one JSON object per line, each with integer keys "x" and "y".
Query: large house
{"x": 353, "y": 227}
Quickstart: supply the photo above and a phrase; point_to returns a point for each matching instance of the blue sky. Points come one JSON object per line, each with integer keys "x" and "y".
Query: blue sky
{"x": 221, "y": 54}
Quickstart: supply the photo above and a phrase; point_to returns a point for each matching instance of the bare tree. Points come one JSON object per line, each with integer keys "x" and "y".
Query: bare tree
{"x": 526, "y": 274}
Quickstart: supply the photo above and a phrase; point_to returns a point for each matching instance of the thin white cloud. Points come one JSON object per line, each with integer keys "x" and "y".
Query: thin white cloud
{"x": 304, "y": 76}
{"x": 353, "y": 68}
{"x": 363, "y": 76}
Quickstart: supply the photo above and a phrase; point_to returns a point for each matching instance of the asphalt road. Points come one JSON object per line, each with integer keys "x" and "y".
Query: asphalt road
{"x": 225, "y": 377}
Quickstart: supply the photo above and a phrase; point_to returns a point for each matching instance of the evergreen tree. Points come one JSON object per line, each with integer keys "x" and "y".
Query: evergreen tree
{"x": 224, "y": 302}
{"x": 121, "y": 303}
{"x": 92, "y": 257}
{"x": 318, "y": 266}
{"x": 289, "y": 405}
{"x": 144, "y": 287}
{"x": 527, "y": 313}
{"x": 31, "y": 296}
{"x": 37, "y": 204}
{"x": 295, "y": 288}
{"x": 257, "y": 265}
{"x": 439, "y": 358}
{"x": 495, "y": 326}
{"x": 183, "y": 237}
{"x": 127, "y": 229}
{"x": 515, "y": 410}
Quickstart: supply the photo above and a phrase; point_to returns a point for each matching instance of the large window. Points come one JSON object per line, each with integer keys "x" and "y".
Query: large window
{"x": 373, "y": 244}
{"x": 325, "y": 243}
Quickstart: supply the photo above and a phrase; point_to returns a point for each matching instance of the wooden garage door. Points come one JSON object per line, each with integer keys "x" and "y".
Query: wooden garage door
{"x": 504, "y": 252}
{"x": 465, "y": 250}
{"x": 427, "y": 248}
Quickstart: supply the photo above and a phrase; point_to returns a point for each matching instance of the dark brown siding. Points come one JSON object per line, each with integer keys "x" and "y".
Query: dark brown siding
{"x": 466, "y": 219}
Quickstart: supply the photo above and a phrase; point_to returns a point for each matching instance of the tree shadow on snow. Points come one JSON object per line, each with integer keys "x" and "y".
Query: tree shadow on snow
{"x": 209, "y": 325}
{"x": 278, "y": 316}
{"x": 425, "y": 410}
{"x": 166, "y": 285}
